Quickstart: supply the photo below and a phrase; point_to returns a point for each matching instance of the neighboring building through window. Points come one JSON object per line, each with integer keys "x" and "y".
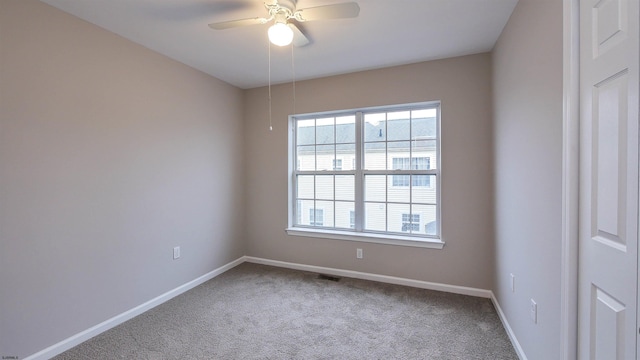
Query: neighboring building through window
{"x": 406, "y": 163}
{"x": 392, "y": 185}
{"x": 411, "y": 222}
{"x": 316, "y": 217}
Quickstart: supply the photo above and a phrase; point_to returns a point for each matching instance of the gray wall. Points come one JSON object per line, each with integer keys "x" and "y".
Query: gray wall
{"x": 527, "y": 81}
{"x": 110, "y": 155}
{"x": 463, "y": 86}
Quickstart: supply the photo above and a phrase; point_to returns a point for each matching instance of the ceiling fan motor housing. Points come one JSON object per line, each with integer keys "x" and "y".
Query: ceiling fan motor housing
{"x": 282, "y": 10}
{"x": 289, "y": 4}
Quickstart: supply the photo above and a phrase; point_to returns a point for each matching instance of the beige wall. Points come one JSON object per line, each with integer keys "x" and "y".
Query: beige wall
{"x": 527, "y": 80}
{"x": 463, "y": 85}
{"x": 110, "y": 155}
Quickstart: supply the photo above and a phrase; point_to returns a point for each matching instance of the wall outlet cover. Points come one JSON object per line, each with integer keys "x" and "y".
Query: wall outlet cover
{"x": 513, "y": 283}
{"x": 534, "y": 311}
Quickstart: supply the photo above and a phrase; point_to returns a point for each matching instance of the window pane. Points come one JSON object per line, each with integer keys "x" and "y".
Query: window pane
{"x": 346, "y": 129}
{"x": 306, "y": 158}
{"x": 344, "y": 212}
{"x": 345, "y": 187}
{"x": 399, "y": 191}
{"x": 398, "y": 126}
{"x": 420, "y": 162}
{"x": 398, "y": 223}
{"x": 327, "y": 211}
{"x": 324, "y": 187}
{"x": 305, "y": 132}
{"x": 427, "y": 214}
{"x": 399, "y": 149}
{"x": 424, "y": 113}
{"x": 346, "y": 153}
{"x": 398, "y": 115}
{"x": 325, "y": 131}
{"x": 375, "y": 188}
{"x": 374, "y": 156}
{"x": 420, "y": 181}
{"x": 423, "y": 124}
{"x": 375, "y": 217}
{"x": 374, "y": 127}
{"x": 424, "y": 194}
{"x": 302, "y": 211}
{"x": 316, "y": 216}
{"x": 425, "y": 149}
{"x": 306, "y": 188}
{"x": 325, "y": 154}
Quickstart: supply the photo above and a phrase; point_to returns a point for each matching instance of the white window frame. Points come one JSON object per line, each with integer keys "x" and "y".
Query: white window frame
{"x": 435, "y": 242}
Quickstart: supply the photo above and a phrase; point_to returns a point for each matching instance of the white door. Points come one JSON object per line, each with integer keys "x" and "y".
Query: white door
{"x": 608, "y": 245}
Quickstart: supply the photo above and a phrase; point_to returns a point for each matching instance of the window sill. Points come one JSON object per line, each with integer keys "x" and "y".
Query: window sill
{"x": 387, "y": 239}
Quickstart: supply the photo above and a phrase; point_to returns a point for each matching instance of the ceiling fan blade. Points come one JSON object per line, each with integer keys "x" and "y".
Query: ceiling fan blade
{"x": 335, "y": 11}
{"x": 237, "y": 23}
{"x": 299, "y": 38}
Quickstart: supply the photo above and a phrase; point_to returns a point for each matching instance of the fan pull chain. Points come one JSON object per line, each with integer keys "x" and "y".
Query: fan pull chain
{"x": 270, "y": 121}
{"x": 293, "y": 75}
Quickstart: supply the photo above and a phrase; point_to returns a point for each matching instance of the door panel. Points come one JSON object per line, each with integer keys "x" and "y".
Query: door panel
{"x": 608, "y": 234}
{"x": 609, "y": 169}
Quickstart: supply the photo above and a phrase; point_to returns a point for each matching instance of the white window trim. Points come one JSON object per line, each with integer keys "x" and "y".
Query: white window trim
{"x": 371, "y": 237}
{"x": 388, "y": 239}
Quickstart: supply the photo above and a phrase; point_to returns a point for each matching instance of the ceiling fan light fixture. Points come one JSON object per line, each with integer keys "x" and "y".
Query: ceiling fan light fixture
{"x": 280, "y": 34}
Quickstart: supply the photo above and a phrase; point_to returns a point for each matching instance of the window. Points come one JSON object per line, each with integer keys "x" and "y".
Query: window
{"x": 390, "y": 191}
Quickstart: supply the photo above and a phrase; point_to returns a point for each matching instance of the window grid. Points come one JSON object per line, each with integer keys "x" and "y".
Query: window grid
{"x": 408, "y": 168}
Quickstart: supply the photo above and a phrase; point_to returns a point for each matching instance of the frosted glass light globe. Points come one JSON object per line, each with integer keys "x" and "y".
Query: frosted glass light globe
{"x": 280, "y": 34}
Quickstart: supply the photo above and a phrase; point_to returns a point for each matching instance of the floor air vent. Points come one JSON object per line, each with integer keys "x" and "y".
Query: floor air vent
{"x": 328, "y": 277}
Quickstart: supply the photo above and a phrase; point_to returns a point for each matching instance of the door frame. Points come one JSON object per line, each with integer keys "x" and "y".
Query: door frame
{"x": 570, "y": 179}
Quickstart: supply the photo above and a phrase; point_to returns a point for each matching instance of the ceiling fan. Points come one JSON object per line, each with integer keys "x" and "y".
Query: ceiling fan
{"x": 284, "y": 15}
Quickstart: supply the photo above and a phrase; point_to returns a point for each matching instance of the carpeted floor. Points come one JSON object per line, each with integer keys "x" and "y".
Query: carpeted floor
{"x": 261, "y": 312}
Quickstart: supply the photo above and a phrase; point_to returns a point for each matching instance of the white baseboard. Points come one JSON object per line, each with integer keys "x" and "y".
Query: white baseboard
{"x": 463, "y": 290}
{"x": 507, "y": 327}
{"x": 85, "y": 335}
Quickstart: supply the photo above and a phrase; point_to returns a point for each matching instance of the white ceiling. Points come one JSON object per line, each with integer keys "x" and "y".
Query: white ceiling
{"x": 387, "y": 33}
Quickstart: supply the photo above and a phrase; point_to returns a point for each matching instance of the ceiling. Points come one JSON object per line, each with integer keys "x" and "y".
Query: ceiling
{"x": 387, "y": 33}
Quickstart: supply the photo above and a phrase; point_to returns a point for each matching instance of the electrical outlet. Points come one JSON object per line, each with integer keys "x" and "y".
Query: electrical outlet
{"x": 513, "y": 283}
{"x": 176, "y": 252}
{"x": 359, "y": 253}
{"x": 534, "y": 312}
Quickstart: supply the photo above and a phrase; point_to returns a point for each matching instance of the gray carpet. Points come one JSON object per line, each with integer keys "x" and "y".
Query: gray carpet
{"x": 261, "y": 312}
